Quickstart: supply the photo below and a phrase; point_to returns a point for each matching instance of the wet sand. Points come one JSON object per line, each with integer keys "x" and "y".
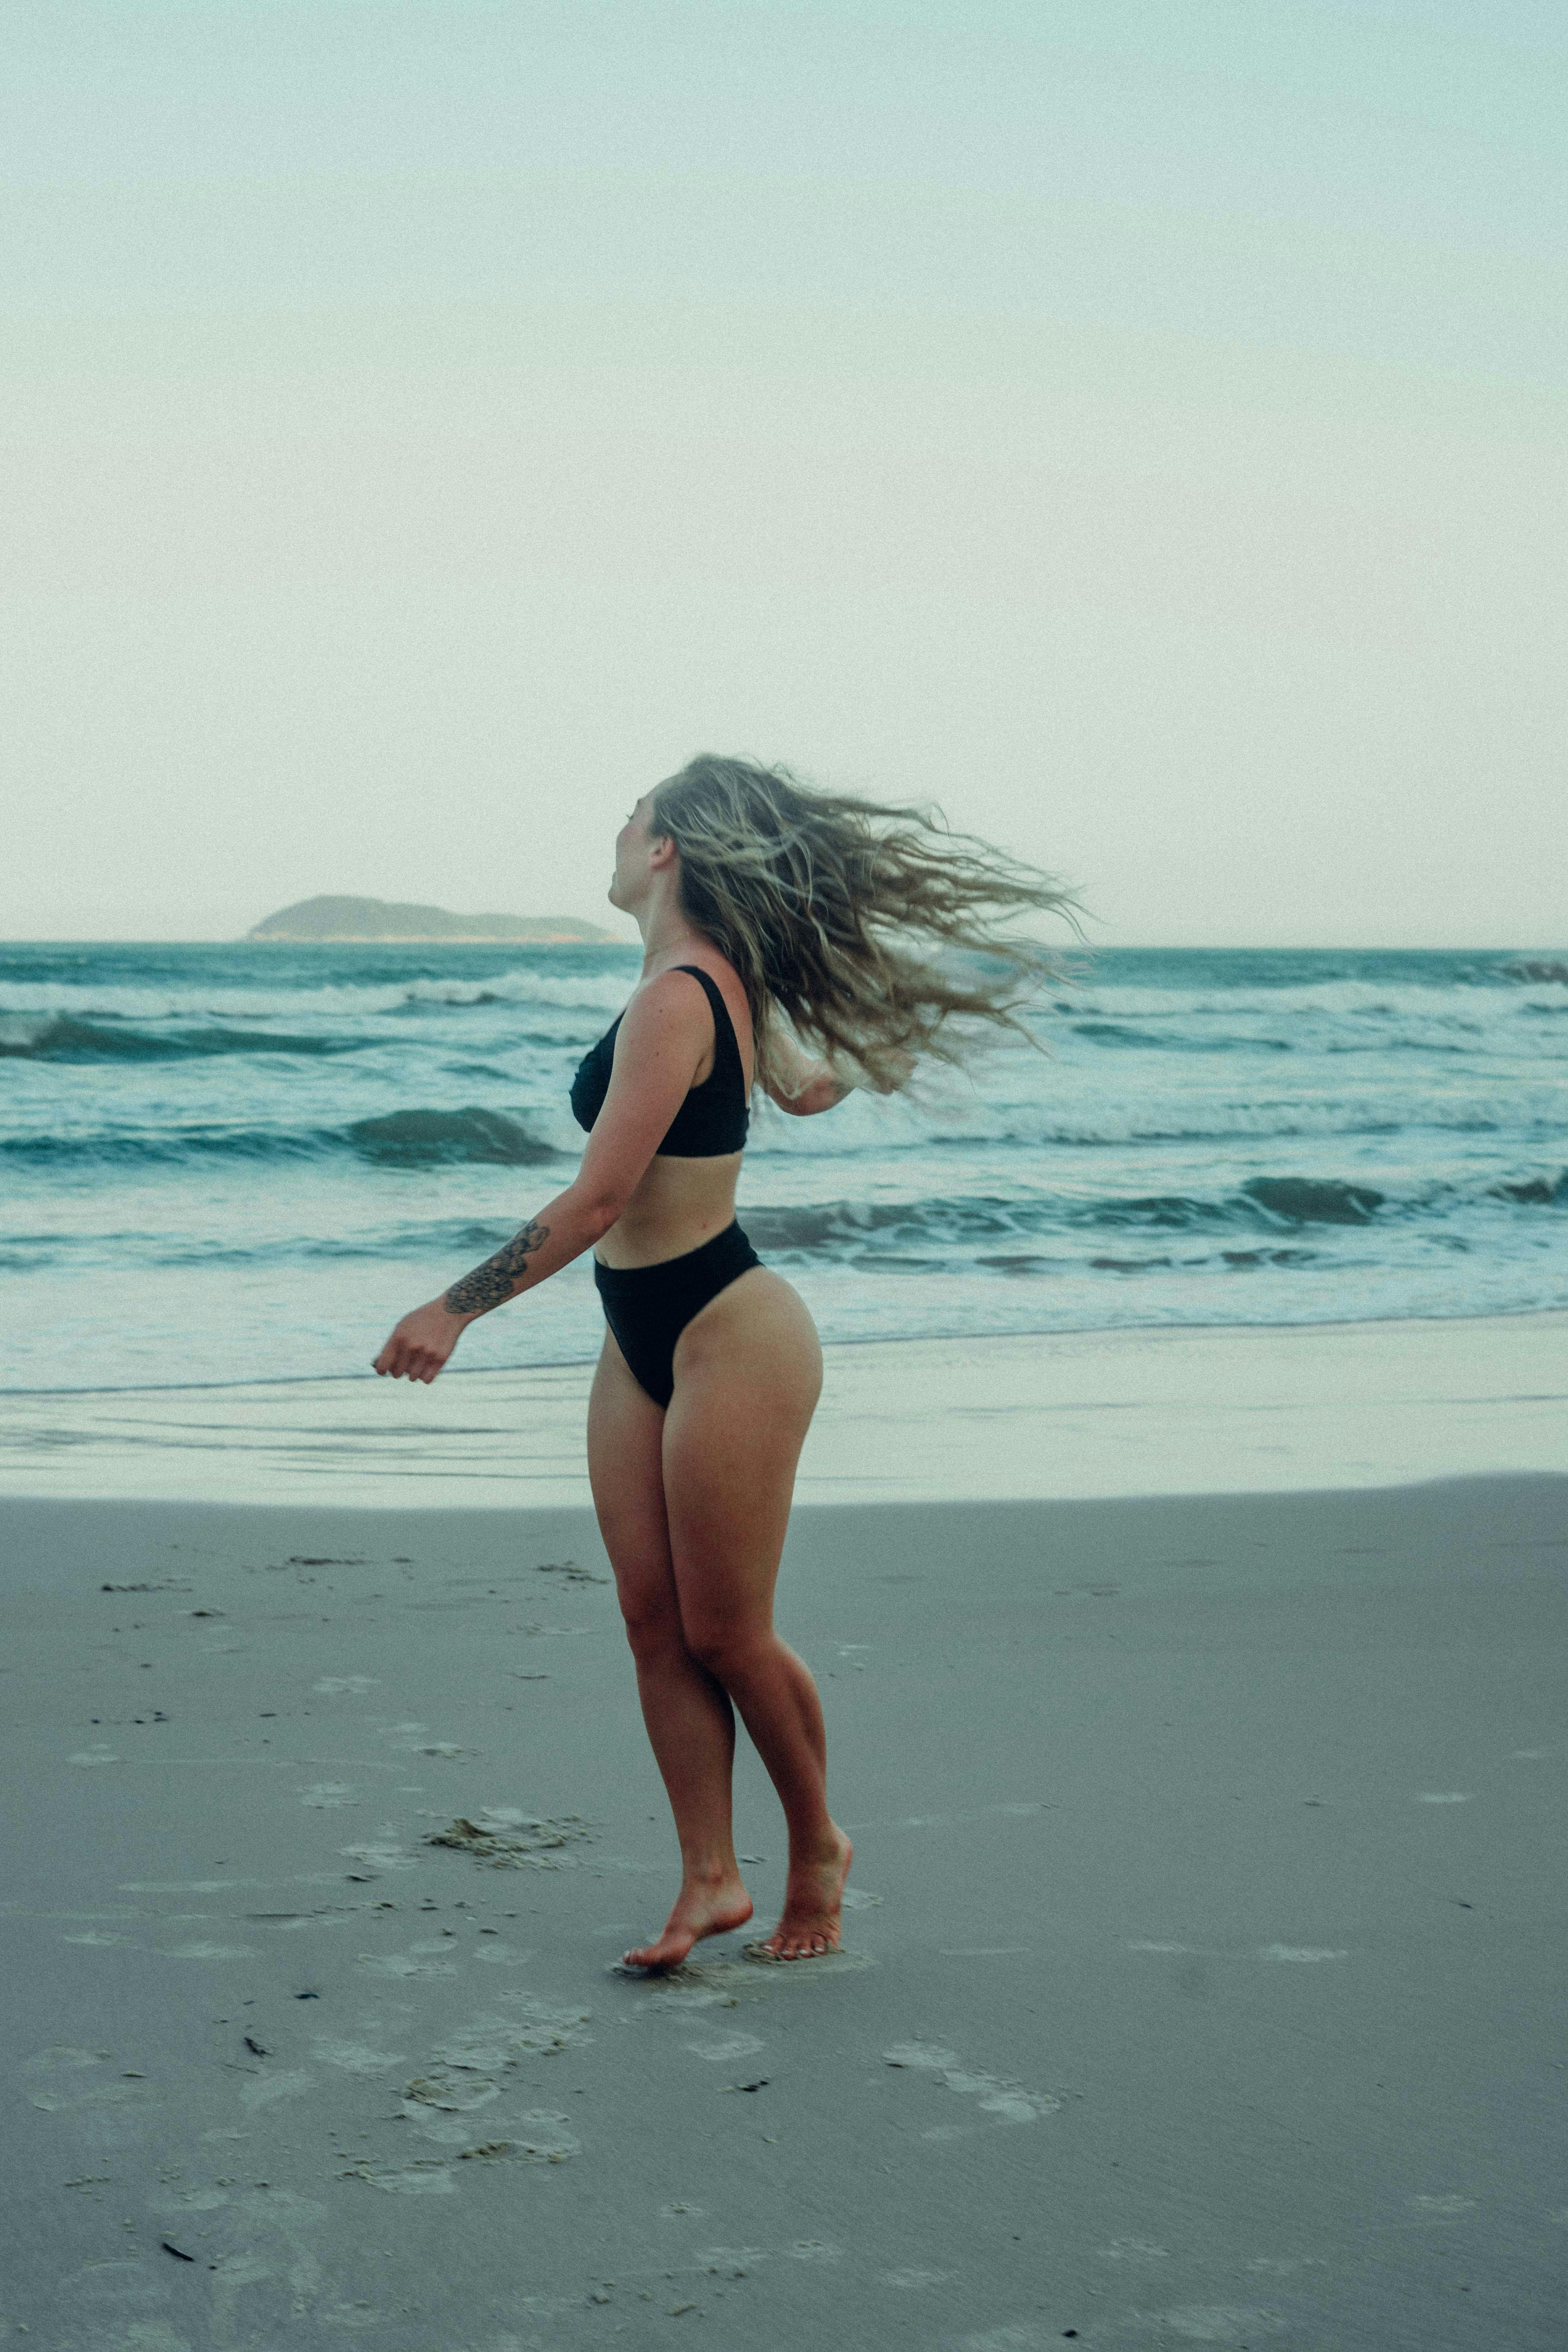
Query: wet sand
{"x": 1203, "y": 1984}
{"x": 1258, "y": 1409}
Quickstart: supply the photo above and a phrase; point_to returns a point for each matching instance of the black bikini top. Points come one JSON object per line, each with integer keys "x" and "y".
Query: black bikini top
{"x": 713, "y": 1118}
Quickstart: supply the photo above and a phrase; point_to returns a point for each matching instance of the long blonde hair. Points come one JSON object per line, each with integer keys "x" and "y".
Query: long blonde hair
{"x": 831, "y": 910}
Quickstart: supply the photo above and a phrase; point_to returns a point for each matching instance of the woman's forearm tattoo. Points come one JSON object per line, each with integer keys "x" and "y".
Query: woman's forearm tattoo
{"x": 491, "y": 1283}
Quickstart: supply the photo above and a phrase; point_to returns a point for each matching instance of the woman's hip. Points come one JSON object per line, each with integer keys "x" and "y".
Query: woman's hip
{"x": 715, "y": 1305}
{"x": 649, "y": 1307}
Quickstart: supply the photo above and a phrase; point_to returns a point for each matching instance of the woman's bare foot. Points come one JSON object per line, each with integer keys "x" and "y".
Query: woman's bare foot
{"x": 814, "y": 1899}
{"x": 702, "y": 1907}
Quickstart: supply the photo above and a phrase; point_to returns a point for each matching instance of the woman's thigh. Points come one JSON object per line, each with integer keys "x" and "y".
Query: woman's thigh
{"x": 748, "y": 1372}
{"x": 625, "y": 1435}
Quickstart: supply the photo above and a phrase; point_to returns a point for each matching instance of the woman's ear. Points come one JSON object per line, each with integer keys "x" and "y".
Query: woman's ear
{"x": 662, "y": 852}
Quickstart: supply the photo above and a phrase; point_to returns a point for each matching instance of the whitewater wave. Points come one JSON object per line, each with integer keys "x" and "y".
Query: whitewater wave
{"x": 210, "y": 1000}
{"x": 65, "y": 1022}
{"x": 1263, "y": 1204}
{"x": 1123, "y": 1033}
{"x": 1008, "y": 1129}
{"x": 1489, "y": 1005}
{"x": 596, "y": 992}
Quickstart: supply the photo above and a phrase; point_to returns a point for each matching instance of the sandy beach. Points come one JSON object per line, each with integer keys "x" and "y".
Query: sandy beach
{"x": 1203, "y": 1973}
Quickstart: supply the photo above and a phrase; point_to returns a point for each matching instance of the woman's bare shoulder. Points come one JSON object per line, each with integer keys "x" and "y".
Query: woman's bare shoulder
{"x": 726, "y": 978}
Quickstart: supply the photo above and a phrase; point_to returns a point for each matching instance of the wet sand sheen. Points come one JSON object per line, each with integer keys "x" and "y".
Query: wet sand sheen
{"x": 1202, "y": 1955}
{"x": 1072, "y": 1414}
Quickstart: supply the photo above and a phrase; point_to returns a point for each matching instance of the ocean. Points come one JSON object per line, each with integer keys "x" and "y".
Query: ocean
{"x": 231, "y": 1164}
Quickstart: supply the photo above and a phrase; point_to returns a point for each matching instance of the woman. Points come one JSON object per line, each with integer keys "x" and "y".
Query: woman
{"x": 772, "y": 919}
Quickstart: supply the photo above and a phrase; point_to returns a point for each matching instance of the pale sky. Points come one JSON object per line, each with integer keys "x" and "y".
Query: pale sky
{"x": 1138, "y": 428}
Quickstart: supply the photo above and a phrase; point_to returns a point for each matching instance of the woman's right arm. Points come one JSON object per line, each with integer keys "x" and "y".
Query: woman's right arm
{"x": 800, "y": 1084}
{"x": 803, "y": 1085}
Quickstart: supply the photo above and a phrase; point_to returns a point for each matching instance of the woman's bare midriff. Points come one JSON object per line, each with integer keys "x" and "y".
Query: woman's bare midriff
{"x": 677, "y": 1206}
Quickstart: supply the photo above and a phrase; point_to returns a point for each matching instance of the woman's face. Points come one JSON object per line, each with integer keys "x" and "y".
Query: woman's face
{"x": 633, "y": 843}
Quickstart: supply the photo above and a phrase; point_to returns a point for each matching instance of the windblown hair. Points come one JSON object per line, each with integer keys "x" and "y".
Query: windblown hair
{"x": 835, "y": 911}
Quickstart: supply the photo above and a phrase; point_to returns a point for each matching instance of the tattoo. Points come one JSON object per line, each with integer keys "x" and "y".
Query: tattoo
{"x": 492, "y": 1284}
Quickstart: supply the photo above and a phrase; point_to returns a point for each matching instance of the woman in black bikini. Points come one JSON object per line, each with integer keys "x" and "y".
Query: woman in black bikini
{"x": 774, "y": 920}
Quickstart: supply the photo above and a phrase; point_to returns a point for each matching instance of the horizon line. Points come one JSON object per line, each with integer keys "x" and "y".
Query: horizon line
{"x": 1169, "y": 947}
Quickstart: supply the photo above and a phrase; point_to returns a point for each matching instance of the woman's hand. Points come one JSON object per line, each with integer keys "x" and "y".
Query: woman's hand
{"x": 422, "y": 1342}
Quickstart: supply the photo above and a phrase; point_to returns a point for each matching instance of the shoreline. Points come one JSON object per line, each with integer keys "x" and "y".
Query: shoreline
{"x": 829, "y": 1347}
{"x": 1164, "y": 1410}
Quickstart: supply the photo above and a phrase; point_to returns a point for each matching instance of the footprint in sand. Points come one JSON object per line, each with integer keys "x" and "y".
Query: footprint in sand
{"x": 427, "y": 2177}
{"x": 288, "y": 2082}
{"x": 379, "y": 1854}
{"x": 69, "y": 2076}
{"x": 416, "y": 1963}
{"x": 433, "y": 2101}
{"x": 354, "y": 2057}
{"x": 186, "y": 1885}
{"x": 190, "y": 2200}
{"x": 730, "y": 2262}
{"x": 539, "y": 2137}
{"x": 1220, "y": 2323}
{"x": 1008, "y": 2101}
{"x": 726, "y": 2045}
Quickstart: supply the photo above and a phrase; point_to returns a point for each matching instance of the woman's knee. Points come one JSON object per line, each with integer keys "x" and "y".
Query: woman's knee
{"x": 731, "y": 1653}
{"x": 653, "y": 1627}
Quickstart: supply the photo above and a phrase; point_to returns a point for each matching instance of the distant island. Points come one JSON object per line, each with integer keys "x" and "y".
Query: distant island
{"x": 327, "y": 921}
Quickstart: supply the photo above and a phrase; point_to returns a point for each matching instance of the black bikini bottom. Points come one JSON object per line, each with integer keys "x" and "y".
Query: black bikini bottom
{"x": 648, "y": 1307}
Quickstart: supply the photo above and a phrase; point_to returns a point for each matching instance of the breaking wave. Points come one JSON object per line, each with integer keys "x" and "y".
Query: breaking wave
{"x": 403, "y": 1139}
{"x": 62, "y": 1037}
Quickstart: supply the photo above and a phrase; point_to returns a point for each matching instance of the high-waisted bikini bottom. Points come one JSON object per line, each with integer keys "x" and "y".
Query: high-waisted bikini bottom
{"x": 648, "y": 1307}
